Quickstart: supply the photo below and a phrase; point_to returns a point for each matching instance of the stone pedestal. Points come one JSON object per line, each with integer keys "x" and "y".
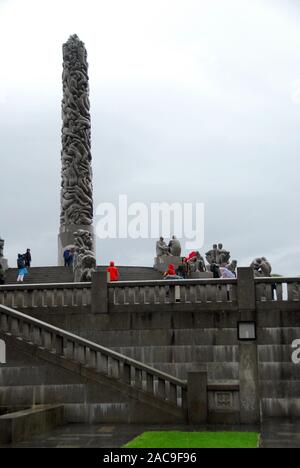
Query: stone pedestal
{"x": 4, "y": 263}
{"x": 200, "y": 274}
{"x": 162, "y": 263}
{"x": 66, "y": 239}
{"x": 197, "y": 397}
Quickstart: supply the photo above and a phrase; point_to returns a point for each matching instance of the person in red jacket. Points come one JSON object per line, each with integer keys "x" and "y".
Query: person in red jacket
{"x": 113, "y": 272}
{"x": 171, "y": 273}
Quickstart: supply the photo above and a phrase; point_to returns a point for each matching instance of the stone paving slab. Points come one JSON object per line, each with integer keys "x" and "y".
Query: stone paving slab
{"x": 280, "y": 433}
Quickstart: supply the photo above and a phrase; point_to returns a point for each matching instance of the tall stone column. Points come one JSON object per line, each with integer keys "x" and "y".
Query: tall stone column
{"x": 248, "y": 360}
{"x": 76, "y": 173}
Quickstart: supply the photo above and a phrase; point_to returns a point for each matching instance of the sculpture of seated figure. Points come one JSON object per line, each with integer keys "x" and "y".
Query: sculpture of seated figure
{"x": 256, "y": 264}
{"x": 261, "y": 267}
{"x": 218, "y": 255}
{"x": 161, "y": 248}
{"x": 197, "y": 263}
{"x": 265, "y": 267}
{"x": 175, "y": 247}
{"x": 211, "y": 255}
{"x": 223, "y": 255}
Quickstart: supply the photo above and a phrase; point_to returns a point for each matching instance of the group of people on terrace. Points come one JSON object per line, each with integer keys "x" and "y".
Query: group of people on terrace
{"x": 217, "y": 264}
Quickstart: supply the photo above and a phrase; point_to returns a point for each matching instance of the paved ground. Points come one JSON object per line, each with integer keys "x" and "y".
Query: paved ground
{"x": 276, "y": 433}
{"x": 105, "y": 436}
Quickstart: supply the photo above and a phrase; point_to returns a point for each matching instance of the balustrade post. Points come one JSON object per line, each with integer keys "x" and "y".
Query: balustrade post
{"x": 99, "y": 293}
{"x": 248, "y": 361}
{"x": 197, "y": 402}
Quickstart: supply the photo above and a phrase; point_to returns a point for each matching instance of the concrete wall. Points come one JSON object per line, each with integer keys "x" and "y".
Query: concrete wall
{"x": 181, "y": 338}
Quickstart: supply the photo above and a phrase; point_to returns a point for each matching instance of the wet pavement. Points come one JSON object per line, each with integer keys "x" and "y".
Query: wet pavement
{"x": 275, "y": 433}
{"x": 280, "y": 433}
{"x": 106, "y": 435}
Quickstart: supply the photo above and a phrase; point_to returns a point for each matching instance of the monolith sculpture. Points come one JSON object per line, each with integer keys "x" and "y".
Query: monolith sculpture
{"x": 76, "y": 172}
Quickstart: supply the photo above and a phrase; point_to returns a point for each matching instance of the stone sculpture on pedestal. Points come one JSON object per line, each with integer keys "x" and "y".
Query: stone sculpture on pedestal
{"x": 3, "y": 260}
{"x": 262, "y": 267}
{"x": 76, "y": 173}
{"x": 217, "y": 255}
{"x": 161, "y": 247}
{"x": 175, "y": 247}
{"x": 165, "y": 254}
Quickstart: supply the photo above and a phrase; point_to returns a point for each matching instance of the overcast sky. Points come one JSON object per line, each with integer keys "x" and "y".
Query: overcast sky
{"x": 191, "y": 101}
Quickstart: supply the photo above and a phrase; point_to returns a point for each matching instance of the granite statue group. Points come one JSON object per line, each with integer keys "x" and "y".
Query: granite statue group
{"x": 217, "y": 264}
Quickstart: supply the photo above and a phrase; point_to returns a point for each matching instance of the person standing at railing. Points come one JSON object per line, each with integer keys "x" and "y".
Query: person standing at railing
{"x": 226, "y": 274}
{"x": 27, "y": 258}
{"x": 22, "y": 270}
{"x": 215, "y": 269}
{"x": 113, "y": 271}
{"x": 182, "y": 269}
{"x": 171, "y": 273}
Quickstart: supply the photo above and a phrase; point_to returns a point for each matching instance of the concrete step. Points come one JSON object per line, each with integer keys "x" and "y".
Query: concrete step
{"x": 275, "y": 353}
{"x": 34, "y": 375}
{"x": 215, "y": 371}
{"x": 278, "y": 335}
{"x": 42, "y": 275}
{"x": 282, "y": 389}
{"x": 280, "y": 407}
{"x": 21, "y": 425}
{"x": 177, "y": 354}
{"x": 28, "y": 395}
{"x": 97, "y": 413}
{"x": 276, "y": 371}
{"x": 161, "y": 337}
{"x": 53, "y": 274}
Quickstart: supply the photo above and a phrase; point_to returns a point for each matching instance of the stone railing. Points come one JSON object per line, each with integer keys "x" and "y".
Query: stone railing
{"x": 96, "y": 358}
{"x": 27, "y": 296}
{"x": 101, "y": 295}
{"x": 172, "y": 291}
{"x": 277, "y": 289}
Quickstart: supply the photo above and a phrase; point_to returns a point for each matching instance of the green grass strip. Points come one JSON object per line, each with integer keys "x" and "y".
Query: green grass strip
{"x": 174, "y": 439}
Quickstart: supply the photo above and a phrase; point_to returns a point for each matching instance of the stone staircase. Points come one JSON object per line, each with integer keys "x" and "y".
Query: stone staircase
{"x": 174, "y": 342}
{"x": 54, "y": 274}
{"x": 42, "y": 275}
{"x": 47, "y": 365}
{"x": 279, "y": 376}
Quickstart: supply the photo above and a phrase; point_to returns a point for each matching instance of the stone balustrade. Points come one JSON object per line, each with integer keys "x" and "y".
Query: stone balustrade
{"x": 172, "y": 291}
{"x": 277, "y": 289}
{"x": 154, "y": 292}
{"x": 30, "y": 296}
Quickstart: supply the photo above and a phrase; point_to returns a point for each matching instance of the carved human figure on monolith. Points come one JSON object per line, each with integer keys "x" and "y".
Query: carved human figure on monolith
{"x": 84, "y": 261}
